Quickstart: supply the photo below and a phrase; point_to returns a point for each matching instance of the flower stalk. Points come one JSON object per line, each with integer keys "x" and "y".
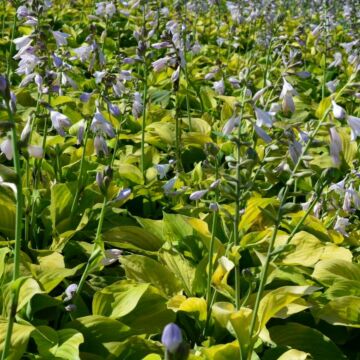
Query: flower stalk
{"x": 18, "y": 231}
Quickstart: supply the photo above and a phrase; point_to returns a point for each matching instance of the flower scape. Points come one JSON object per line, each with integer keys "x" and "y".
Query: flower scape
{"x": 179, "y": 179}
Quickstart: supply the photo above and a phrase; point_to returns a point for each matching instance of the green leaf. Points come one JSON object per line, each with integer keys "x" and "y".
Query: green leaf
{"x": 343, "y": 311}
{"x": 240, "y": 322}
{"x": 222, "y": 352}
{"x": 3, "y": 253}
{"x": 253, "y": 211}
{"x": 144, "y": 269}
{"x": 330, "y": 271}
{"x": 130, "y": 172}
{"x": 309, "y": 250}
{"x": 61, "y": 100}
{"x": 181, "y": 268}
{"x": 294, "y": 354}
{"x": 132, "y": 238}
{"x": 62, "y": 196}
{"x": 62, "y": 344}
{"x": 102, "y": 336}
{"x": 118, "y": 299}
{"x": 19, "y": 339}
{"x": 276, "y": 300}
{"x": 7, "y": 215}
{"x": 306, "y": 339}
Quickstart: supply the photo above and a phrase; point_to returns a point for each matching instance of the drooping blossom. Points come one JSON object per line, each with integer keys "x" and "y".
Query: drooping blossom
{"x": 341, "y": 224}
{"x": 70, "y": 292}
{"x": 59, "y": 122}
{"x": 354, "y": 123}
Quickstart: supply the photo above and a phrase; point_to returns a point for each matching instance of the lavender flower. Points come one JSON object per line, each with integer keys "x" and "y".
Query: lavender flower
{"x": 137, "y": 107}
{"x": 59, "y": 122}
{"x": 70, "y": 292}
{"x": 160, "y": 64}
{"x": 335, "y": 146}
{"x": 262, "y": 134}
{"x": 197, "y": 195}
{"x": 162, "y": 170}
{"x": 354, "y": 123}
{"x": 219, "y": 87}
{"x": 341, "y": 224}
{"x": 100, "y": 145}
{"x": 111, "y": 256}
{"x": 263, "y": 118}
{"x": 338, "y": 111}
{"x": 60, "y": 38}
{"x": 171, "y": 337}
{"x": 35, "y": 151}
{"x": 123, "y": 194}
{"x": 99, "y": 123}
{"x": 6, "y": 148}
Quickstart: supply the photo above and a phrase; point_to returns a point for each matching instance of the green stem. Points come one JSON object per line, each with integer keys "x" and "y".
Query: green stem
{"x": 81, "y": 175}
{"x": 95, "y": 251}
{"x": 186, "y": 72}
{"x": 323, "y": 86}
{"x": 237, "y": 204}
{"x": 142, "y": 160}
{"x": 144, "y": 123}
{"x": 8, "y": 60}
{"x": 211, "y": 263}
{"x": 18, "y": 229}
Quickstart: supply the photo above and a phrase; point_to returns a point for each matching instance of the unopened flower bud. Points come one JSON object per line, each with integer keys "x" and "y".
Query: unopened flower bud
{"x": 171, "y": 338}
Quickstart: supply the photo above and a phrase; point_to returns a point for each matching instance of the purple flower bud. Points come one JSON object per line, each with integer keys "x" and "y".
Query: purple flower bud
{"x": 114, "y": 110}
{"x": 70, "y": 307}
{"x": 6, "y": 148}
{"x": 100, "y": 179}
{"x": 123, "y": 194}
{"x": 171, "y": 337}
{"x": 35, "y": 151}
{"x": 111, "y": 256}
{"x": 3, "y": 84}
{"x": 100, "y": 145}
{"x": 70, "y": 291}
{"x": 85, "y": 97}
{"x": 214, "y": 207}
{"x": 214, "y": 184}
{"x": 22, "y": 12}
{"x": 338, "y": 111}
{"x": 12, "y": 102}
{"x": 197, "y": 195}
{"x": 57, "y": 61}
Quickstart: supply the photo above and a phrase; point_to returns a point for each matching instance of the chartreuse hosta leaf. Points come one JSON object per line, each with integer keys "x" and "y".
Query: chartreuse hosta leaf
{"x": 140, "y": 305}
{"x": 276, "y": 300}
{"x": 62, "y": 196}
{"x": 26, "y": 287}
{"x": 294, "y": 354}
{"x": 253, "y": 214}
{"x": 306, "y": 339}
{"x": 181, "y": 268}
{"x": 132, "y": 238}
{"x": 328, "y": 272}
{"x": 106, "y": 338}
{"x": 309, "y": 250}
{"x": 222, "y": 352}
{"x": 7, "y": 214}
{"x": 341, "y": 311}
{"x": 62, "y": 344}
{"x": 19, "y": 339}
{"x": 146, "y": 270}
